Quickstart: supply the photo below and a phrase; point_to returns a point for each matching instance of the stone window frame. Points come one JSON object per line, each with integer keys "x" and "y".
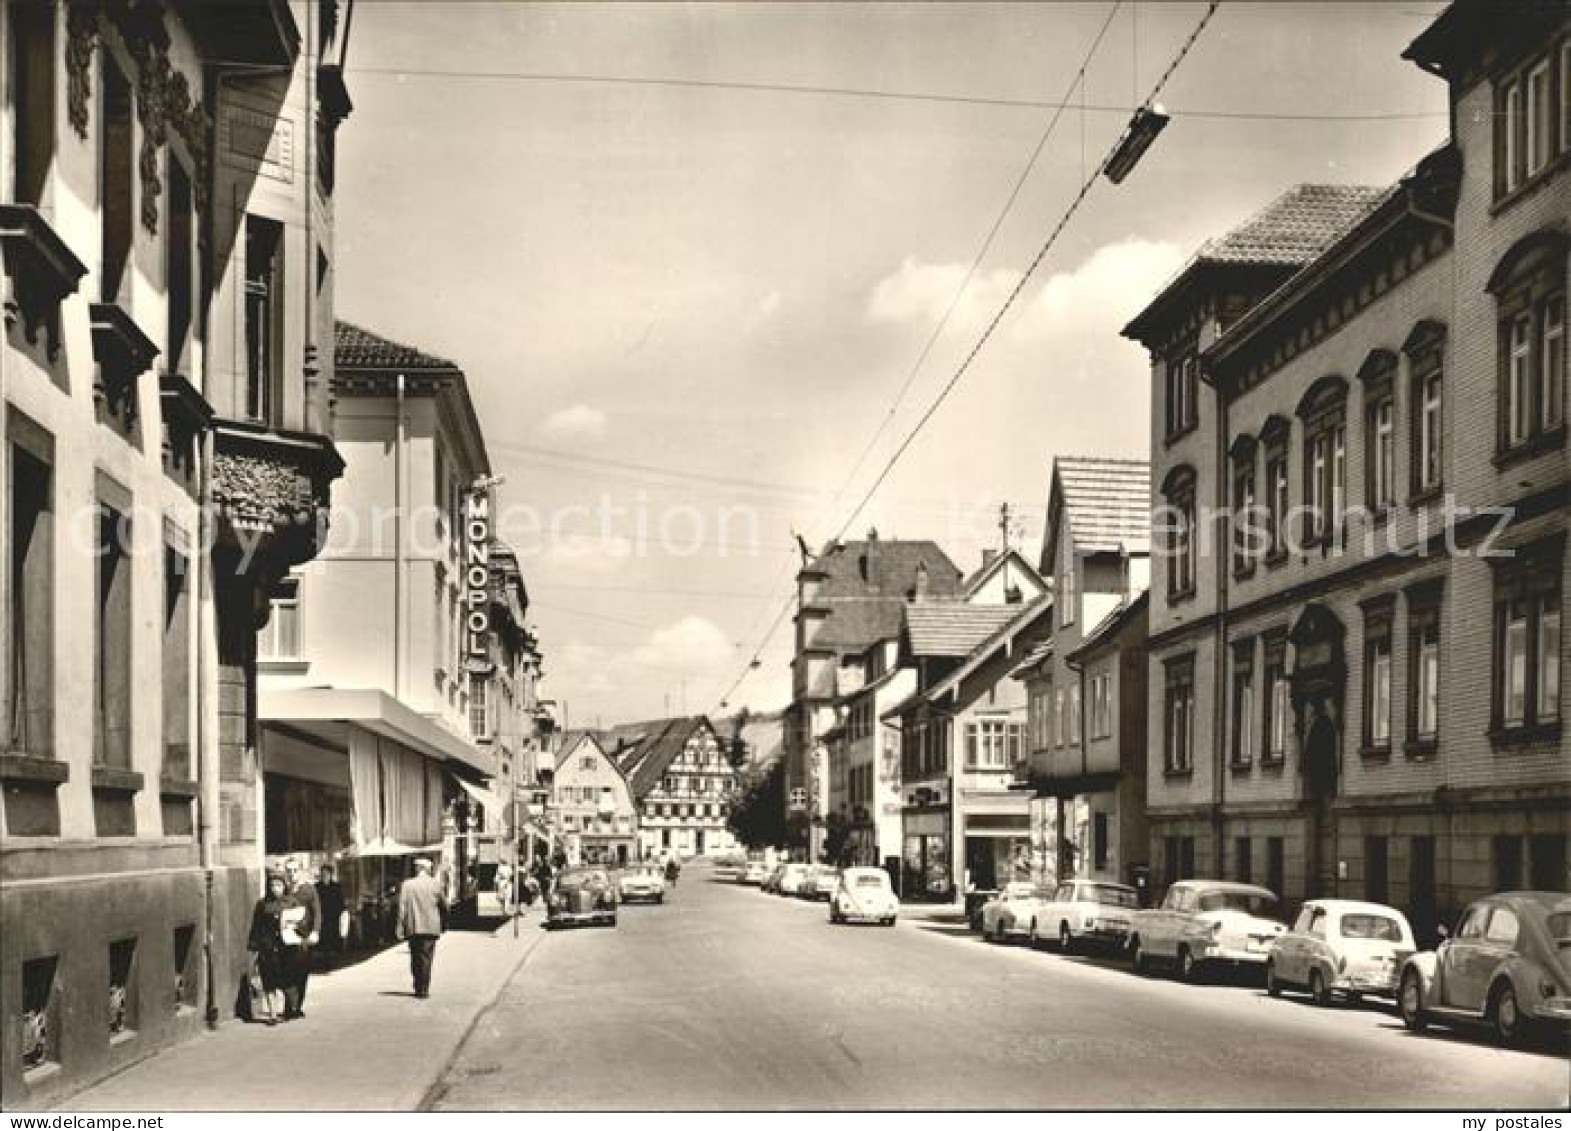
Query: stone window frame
{"x": 1323, "y": 411}
{"x": 1379, "y": 628}
{"x": 1425, "y": 601}
{"x": 1178, "y": 749}
{"x": 1242, "y": 729}
{"x": 1529, "y": 288}
{"x": 31, "y": 440}
{"x": 1181, "y": 391}
{"x": 1243, "y": 466}
{"x": 1531, "y": 576}
{"x": 1275, "y": 440}
{"x": 1179, "y": 488}
{"x": 1425, "y": 350}
{"x": 1513, "y": 175}
{"x": 1378, "y": 377}
{"x": 1273, "y": 667}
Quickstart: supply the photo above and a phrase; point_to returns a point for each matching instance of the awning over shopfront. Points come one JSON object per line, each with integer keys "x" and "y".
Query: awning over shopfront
{"x": 395, "y": 761}
{"x": 491, "y": 803}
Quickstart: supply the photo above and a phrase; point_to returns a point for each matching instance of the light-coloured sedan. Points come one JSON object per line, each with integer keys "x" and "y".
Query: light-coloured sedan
{"x": 865, "y": 894}
{"x": 1086, "y": 911}
{"x": 1206, "y": 922}
{"x": 820, "y": 882}
{"x": 755, "y": 873}
{"x": 1341, "y": 947}
{"x": 791, "y": 877}
{"x": 642, "y": 882}
{"x": 1010, "y": 913}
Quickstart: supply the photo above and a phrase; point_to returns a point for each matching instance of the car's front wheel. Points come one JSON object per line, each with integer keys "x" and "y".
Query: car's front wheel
{"x": 1188, "y": 968}
{"x": 1137, "y": 956}
{"x": 1505, "y": 1016}
{"x": 1410, "y": 1002}
{"x": 1273, "y": 987}
{"x": 1066, "y": 941}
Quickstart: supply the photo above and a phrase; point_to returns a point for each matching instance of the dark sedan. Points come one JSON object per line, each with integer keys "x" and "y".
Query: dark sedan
{"x": 582, "y": 895}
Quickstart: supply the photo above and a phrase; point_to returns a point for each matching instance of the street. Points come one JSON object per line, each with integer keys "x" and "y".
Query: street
{"x": 728, "y": 998}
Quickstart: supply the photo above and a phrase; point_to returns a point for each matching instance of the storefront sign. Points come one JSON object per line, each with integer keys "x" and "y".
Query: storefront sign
{"x": 477, "y": 574}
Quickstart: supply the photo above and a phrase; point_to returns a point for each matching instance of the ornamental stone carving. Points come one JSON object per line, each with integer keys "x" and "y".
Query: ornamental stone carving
{"x": 81, "y": 41}
{"x": 271, "y": 492}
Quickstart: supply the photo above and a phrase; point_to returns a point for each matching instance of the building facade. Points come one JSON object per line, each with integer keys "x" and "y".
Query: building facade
{"x": 1086, "y": 686}
{"x": 596, "y": 816}
{"x": 683, "y": 780}
{"x": 1356, "y": 652}
{"x": 163, "y": 399}
{"x": 849, "y": 597}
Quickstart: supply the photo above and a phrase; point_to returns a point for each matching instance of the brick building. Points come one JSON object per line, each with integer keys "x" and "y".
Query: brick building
{"x": 1354, "y": 684}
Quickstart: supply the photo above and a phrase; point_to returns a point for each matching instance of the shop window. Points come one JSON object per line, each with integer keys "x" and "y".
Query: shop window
{"x": 32, "y": 65}
{"x": 1276, "y": 865}
{"x": 112, "y": 639}
{"x": 1506, "y": 855}
{"x": 40, "y": 1015}
{"x": 117, "y": 170}
{"x": 1527, "y": 642}
{"x": 1323, "y": 410}
{"x": 264, "y": 306}
{"x": 1243, "y": 859}
{"x": 122, "y": 997}
{"x": 1423, "y": 669}
{"x": 1178, "y": 716}
{"x": 29, "y": 640}
{"x": 1377, "y": 675}
{"x": 1530, "y": 298}
{"x": 1180, "y": 533}
{"x": 1243, "y": 728}
{"x": 179, "y": 268}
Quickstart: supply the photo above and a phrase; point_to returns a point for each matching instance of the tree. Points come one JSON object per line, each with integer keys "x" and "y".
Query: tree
{"x": 737, "y": 752}
{"x": 757, "y": 816}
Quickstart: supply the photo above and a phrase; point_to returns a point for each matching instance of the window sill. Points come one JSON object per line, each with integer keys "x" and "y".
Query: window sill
{"x": 1240, "y": 769}
{"x": 1181, "y": 596}
{"x": 176, "y": 787}
{"x": 1505, "y": 199}
{"x": 1243, "y": 571}
{"x": 1421, "y": 749}
{"x": 1173, "y": 437}
{"x": 1172, "y": 774}
{"x": 1425, "y": 496}
{"x": 1551, "y": 441}
{"x": 112, "y": 780}
{"x": 1371, "y": 753}
{"x": 1527, "y": 734}
{"x": 1275, "y": 559}
{"x": 1272, "y": 765}
{"x": 23, "y": 767}
{"x": 283, "y": 667}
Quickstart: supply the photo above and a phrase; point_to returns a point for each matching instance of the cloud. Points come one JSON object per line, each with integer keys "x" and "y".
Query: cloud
{"x": 1103, "y": 293}
{"x": 922, "y": 292}
{"x": 693, "y": 644}
{"x": 578, "y": 422}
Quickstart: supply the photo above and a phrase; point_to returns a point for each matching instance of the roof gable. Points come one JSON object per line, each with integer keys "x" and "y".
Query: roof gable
{"x": 355, "y": 347}
{"x": 1105, "y": 504}
{"x": 952, "y": 629}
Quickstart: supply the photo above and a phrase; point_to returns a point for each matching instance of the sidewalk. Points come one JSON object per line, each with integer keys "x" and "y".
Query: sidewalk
{"x": 365, "y": 1043}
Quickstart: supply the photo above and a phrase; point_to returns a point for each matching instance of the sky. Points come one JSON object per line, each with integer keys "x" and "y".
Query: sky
{"x": 691, "y": 310}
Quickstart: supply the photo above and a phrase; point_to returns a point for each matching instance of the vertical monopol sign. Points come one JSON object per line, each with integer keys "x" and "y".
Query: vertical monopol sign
{"x": 477, "y": 574}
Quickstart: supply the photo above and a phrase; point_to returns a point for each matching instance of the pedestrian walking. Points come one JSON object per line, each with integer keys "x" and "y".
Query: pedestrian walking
{"x": 330, "y": 895}
{"x": 504, "y": 887}
{"x": 672, "y": 871}
{"x": 308, "y": 932}
{"x": 266, "y": 944}
{"x": 420, "y": 923}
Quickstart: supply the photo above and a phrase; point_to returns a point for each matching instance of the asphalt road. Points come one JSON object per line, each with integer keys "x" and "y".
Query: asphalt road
{"x": 727, "y": 998}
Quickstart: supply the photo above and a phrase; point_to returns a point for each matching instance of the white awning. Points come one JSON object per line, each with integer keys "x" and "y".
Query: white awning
{"x": 493, "y": 803}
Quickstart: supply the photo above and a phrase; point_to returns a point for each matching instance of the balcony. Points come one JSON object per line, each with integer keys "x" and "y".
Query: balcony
{"x": 271, "y": 492}
{"x": 256, "y": 33}
{"x": 123, "y": 353}
{"x": 43, "y": 272}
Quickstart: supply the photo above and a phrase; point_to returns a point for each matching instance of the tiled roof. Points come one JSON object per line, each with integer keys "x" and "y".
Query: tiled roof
{"x": 866, "y": 585}
{"x": 657, "y": 744}
{"x": 357, "y": 348}
{"x": 1107, "y": 503}
{"x": 1296, "y": 226}
{"x": 952, "y": 628}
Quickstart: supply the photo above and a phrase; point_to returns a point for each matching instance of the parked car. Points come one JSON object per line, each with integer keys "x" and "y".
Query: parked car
{"x": 1205, "y": 922}
{"x": 1010, "y": 913}
{"x": 864, "y": 893}
{"x": 820, "y": 882}
{"x": 755, "y": 873}
{"x": 729, "y": 868}
{"x": 791, "y": 879}
{"x": 1340, "y": 947}
{"x": 772, "y": 881}
{"x": 582, "y": 895}
{"x": 1086, "y": 911}
{"x": 642, "y": 882}
{"x": 1506, "y": 966}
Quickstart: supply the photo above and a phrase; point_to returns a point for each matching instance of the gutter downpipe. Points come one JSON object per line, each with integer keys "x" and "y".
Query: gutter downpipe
{"x": 398, "y": 544}
{"x": 1219, "y": 660}
{"x": 207, "y": 798}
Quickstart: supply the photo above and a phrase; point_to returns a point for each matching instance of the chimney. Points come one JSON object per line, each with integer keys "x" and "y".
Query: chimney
{"x": 872, "y": 533}
{"x": 989, "y": 556}
{"x": 921, "y": 581}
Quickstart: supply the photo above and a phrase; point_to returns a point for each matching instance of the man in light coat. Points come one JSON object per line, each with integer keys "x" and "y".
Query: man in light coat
{"x": 420, "y": 922}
